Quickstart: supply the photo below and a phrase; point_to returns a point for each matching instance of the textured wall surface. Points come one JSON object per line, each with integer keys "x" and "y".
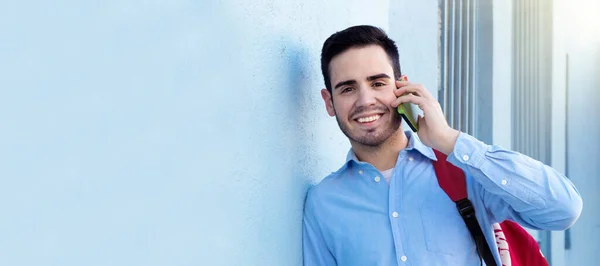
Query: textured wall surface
{"x": 170, "y": 132}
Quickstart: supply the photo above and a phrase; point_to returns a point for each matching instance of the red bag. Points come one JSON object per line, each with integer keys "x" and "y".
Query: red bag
{"x": 515, "y": 245}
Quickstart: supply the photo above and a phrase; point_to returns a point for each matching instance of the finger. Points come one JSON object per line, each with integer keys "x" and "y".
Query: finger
{"x": 417, "y": 89}
{"x": 425, "y": 92}
{"x": 401, "y": 83}
{"x": 410, "y": 88}
{"x": 409, "y": 98}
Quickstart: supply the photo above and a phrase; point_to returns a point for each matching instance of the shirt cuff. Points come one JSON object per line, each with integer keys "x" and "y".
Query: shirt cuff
{"x": 468, "y": 151}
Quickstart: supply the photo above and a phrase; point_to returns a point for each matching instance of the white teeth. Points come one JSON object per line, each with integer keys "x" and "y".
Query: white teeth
{"x": 368, "y": 119}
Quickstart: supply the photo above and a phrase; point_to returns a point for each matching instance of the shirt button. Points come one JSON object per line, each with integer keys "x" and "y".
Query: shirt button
{"x": 465, "y": 157}
{"x": 395, "y": 214}
{"x": 403, "y": 258}
{"x": 504, "y": 182}
{"x": 410, "y": 159}
{"x": 360, "y": 172}
{"x": 377, "y": 179}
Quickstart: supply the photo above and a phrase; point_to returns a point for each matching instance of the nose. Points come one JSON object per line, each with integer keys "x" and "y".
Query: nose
{"x": 366, "y": 97}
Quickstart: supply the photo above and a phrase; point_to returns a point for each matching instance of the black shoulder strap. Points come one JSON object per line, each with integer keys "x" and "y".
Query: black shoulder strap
{"x": 452, "y": 180}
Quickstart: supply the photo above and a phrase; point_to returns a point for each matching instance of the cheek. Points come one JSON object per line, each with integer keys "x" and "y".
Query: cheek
{"x": 342, "y": 107}
{"x": 341, "y": 110}
{"x": 387, "y": 97}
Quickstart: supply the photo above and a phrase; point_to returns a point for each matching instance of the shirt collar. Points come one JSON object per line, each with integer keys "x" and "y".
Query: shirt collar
{"x": 413, "y": 143}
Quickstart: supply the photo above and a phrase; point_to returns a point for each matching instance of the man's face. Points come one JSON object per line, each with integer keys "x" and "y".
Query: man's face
{"x": 362, "y": 81}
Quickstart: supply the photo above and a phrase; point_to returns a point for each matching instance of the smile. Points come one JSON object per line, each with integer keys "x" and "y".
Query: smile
{"x": 368, "y": 118}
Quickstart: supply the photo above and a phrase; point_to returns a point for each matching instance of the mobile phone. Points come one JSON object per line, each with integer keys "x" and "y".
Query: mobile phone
{"x": 410, "y": 113}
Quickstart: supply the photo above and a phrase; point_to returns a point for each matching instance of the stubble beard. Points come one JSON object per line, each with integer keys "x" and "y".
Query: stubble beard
{"x": 373, "y": 137}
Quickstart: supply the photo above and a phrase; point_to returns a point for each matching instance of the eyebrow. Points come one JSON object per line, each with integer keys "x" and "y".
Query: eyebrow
{"x": 369, "y": 78}
{"x": 378, "y": 76}
{"x": 346, "y": 82}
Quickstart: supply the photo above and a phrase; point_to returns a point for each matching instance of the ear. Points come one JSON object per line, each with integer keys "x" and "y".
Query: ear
{"x": 327, "y": 98}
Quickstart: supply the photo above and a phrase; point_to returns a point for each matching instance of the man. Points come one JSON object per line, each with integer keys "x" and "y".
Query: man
{"x": 384, "y": 205}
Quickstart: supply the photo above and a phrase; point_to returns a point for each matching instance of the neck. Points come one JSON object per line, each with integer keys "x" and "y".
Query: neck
{"x": 384, "y": 156}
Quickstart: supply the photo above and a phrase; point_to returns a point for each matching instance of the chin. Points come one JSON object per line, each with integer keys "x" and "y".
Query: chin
{"x": 370, "y": 140}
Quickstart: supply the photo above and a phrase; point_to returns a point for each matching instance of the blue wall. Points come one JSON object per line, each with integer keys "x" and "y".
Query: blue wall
{"x": 171, "y": 132}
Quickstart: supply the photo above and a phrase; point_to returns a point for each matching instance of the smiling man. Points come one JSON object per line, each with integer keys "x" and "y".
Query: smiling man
{"x": 384, "y": 205}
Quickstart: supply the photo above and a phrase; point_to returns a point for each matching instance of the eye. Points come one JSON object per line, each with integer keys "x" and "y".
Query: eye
{"x": 378, "y": 84}
{"x": 347, "y": 89}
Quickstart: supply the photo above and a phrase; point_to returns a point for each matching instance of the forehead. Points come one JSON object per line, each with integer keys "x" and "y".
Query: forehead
{"x": 359, "y": 63}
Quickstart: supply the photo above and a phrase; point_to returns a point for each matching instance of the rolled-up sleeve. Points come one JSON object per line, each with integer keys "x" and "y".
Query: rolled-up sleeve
{"x": 315, "y": 251}
{"x": 517, "y": 187}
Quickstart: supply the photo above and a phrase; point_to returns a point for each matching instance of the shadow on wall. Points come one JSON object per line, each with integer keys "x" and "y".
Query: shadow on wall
{"x": 257, "y": 140}
{"x": 260, "y": 103}
{"x": 298, "y": 108}
{"x": 290, "y": 151}
{"x": 274, "y": 158}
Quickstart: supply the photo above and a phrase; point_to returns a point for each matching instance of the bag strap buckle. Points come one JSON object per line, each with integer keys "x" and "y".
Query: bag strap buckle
{"x": 465, "y": 208}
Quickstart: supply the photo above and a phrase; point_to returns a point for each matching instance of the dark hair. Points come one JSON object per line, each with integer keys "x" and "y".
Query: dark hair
{"x": 358, "y": 36}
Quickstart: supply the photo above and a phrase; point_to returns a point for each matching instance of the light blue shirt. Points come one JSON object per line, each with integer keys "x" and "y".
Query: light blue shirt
{"x": 353, "y": 217}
